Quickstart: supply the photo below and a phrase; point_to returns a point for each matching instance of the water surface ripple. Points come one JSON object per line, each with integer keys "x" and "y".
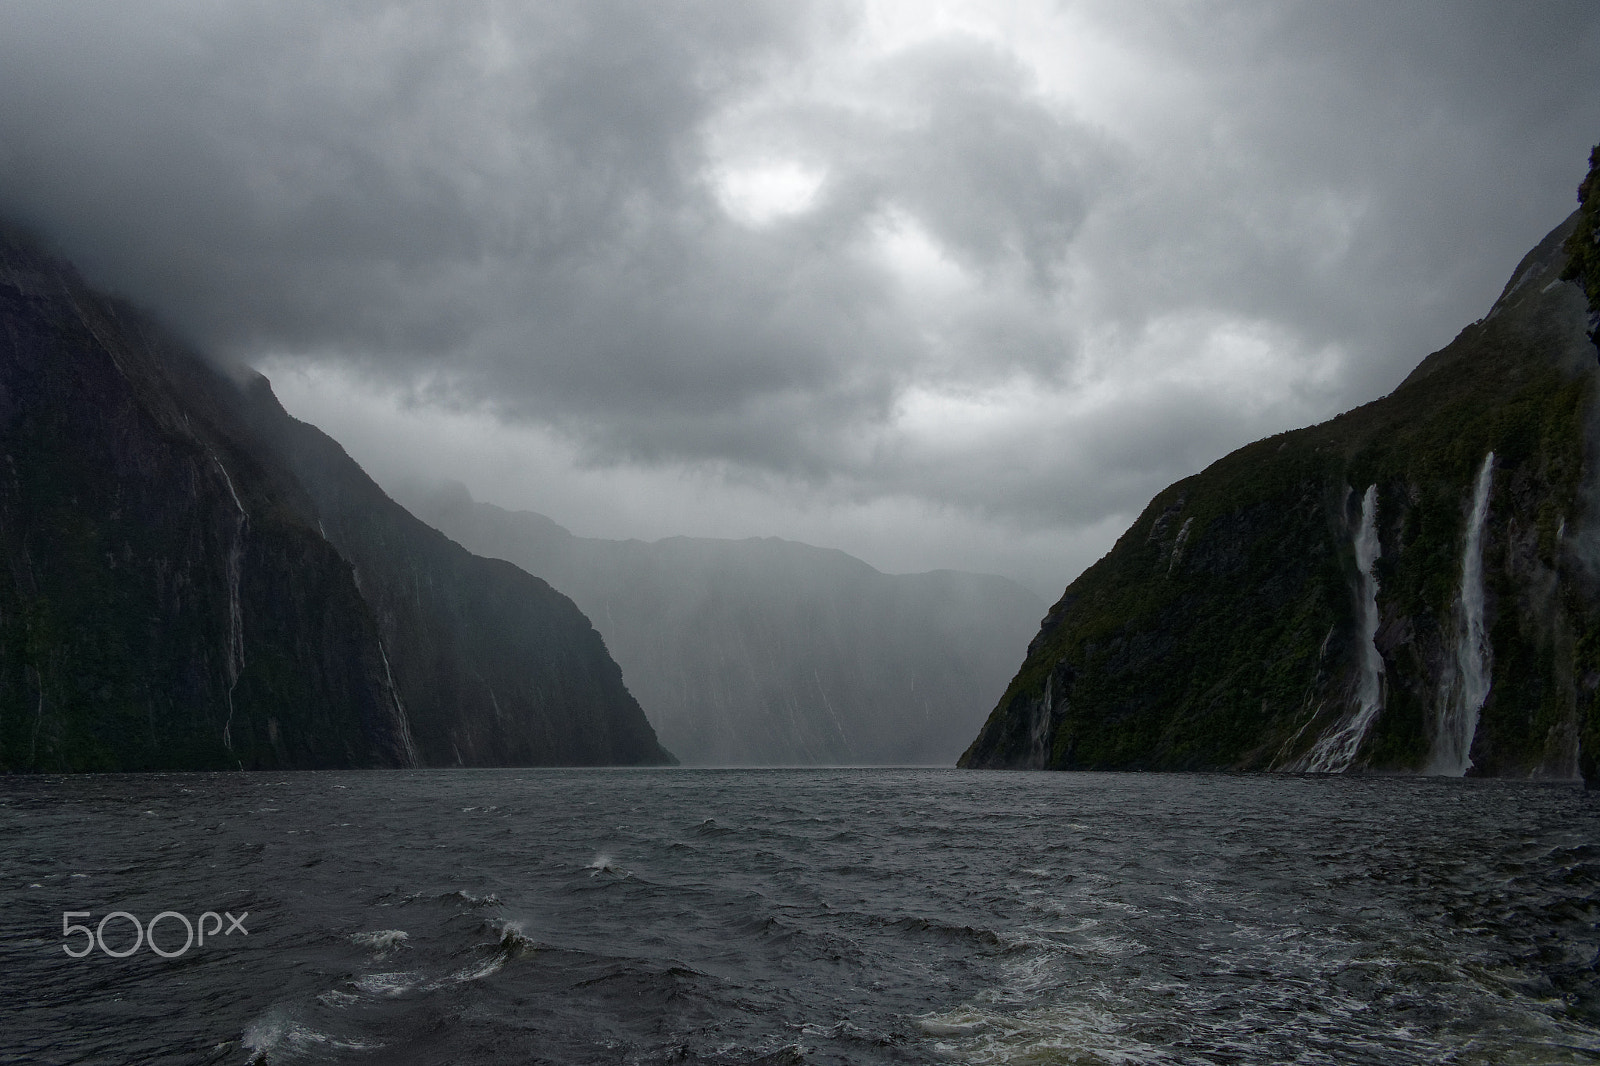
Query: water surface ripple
{"x": 804, "y": 916}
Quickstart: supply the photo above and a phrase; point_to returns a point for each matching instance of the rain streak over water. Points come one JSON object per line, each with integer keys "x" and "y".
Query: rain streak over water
{"x": 796, "y": 916}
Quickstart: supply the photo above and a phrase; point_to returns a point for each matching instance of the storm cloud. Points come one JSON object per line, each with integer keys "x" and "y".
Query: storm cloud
{"x": 942, "y": 284}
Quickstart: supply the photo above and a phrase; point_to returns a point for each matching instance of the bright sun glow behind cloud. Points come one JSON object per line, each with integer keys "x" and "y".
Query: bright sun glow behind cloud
{"x": 761, "y": 193}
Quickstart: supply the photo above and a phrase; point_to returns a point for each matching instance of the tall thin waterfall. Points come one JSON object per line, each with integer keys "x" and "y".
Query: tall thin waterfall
{"x": 235, "y": 660}
{"x": 1039, "y": 733}
{"x": 1336, "y": 750}
{"x": 402, "y": 723}
{"x": 1466, "y": 682}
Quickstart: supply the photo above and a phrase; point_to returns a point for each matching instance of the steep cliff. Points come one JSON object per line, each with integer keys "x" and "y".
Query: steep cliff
{"x": 1411, "y": 586}
{"x": 192, "y": 580}
{"x": 770, "y": 652}
{"x": 495, "y": 666}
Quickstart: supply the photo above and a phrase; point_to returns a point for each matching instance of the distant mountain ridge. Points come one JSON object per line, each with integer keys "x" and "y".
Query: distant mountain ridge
{"x": 1412, "y": 586}
{"x": 192, "y": 579}
{"x": 772, "y": 652}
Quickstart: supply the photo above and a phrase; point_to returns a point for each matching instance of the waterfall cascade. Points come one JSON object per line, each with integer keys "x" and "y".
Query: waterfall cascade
{"x": 407, "y": 743}
{"x": 1336, "y": 750}
{"x": 1465, "y": 685}
{"x": 235, "y": 660}
{"x": 1039, "y": 731}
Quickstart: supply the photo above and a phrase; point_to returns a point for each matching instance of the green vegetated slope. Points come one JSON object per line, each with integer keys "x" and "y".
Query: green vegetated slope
{"x": 1221, "y": 632}
{"x": 191, "y": 579}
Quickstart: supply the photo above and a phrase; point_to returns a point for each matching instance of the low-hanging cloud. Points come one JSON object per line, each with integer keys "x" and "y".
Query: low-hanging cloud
{"x": 1026, "y": 267}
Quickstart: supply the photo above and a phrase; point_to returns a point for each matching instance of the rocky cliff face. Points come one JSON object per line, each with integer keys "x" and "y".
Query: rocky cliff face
{"x": 194, "y": 580}
{"x": 496, "y": 667}
{"x": 1409, "y": 587}
{"x": 769, "y": 652}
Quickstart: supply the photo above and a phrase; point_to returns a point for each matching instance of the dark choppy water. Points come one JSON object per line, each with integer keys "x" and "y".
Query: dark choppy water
{"x": 849, "y": 916}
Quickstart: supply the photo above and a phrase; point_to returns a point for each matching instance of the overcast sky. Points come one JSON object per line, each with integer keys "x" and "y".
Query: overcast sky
{"x": 940, "y": 284}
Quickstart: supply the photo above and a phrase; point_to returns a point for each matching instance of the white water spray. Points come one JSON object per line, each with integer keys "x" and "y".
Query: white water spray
{"x": 1336, "y": 750}
{"x": 1465, "y": 685}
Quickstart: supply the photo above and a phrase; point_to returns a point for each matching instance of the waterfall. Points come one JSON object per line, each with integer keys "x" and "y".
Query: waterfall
{"x": 235, "y": 659}
{"x": 1465, "y": 684}
{"x": 402, "y": 723}
{"x": 1336, "y": 750}
{"x": 1039, "y": 734}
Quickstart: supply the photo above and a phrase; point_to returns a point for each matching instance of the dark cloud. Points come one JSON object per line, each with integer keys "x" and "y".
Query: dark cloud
{"x": 1048, "y": 264}
{"x": 1369, "y": 173}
